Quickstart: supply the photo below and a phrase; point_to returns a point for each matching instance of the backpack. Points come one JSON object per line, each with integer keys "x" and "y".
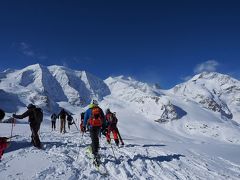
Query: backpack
{"x": 54, "y": 117}
{"x": 38, "y": 115}
{"x": 96, "y": 117}
{"x": 69, "y": 118}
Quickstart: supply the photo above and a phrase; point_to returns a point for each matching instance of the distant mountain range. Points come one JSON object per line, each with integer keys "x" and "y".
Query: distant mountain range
{"x": 48, "y": 86}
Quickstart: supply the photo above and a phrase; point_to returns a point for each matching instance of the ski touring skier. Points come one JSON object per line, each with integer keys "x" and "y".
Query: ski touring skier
{"x": 62, "y": 115}
{"x": 94, "y": 118}
{"x": 35, "y": 116}
{"x": 53, "y": 120}
{"x": 3, "y": 140}
{"x": 111, "y": 123}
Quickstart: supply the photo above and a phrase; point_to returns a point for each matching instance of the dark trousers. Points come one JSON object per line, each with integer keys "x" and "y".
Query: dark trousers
{"x": 62, "y": 125}
{"x": 35, "y": 138}
{"x": 54, "y": 125}
{"x": 94, "y": 133}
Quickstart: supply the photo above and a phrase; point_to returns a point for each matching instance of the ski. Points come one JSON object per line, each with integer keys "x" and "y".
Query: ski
{"x": 99, "y": 167}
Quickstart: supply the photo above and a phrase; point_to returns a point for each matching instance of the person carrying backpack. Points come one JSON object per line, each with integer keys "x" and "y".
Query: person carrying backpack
{"x": 53, "y": 119}
{"x": 63, "y": 114}
{"x": 70, "y": 121}
{"x": 94, "y": 118}
{"x": 35, "y": 119}
{"x": 111, "y": 123}
{"x": 3, "y": 140}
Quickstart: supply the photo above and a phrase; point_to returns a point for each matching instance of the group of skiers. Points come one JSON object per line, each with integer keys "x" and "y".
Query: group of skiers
{"x": 96, "y": 122}
{"x": 93, "y": 120}
{"x": 63, "y": 115}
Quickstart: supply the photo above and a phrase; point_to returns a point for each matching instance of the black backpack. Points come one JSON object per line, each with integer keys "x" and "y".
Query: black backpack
{"x": 69, "y": 118}
{"x": 38, "y": 115}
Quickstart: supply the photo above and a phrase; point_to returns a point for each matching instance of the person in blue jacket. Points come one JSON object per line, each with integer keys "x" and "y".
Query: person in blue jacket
{"x": 94, "y": 118}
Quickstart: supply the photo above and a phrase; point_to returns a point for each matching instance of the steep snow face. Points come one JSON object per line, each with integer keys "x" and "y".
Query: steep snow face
{"x": 46, "y": 86}
{"x": 143, "y": 98}
{"x": 26, "y": 85}
{"x": 214, "y": 91}
{"x": 79, "y": 86}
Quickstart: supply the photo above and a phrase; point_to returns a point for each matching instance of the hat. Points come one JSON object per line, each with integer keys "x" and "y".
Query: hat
{"x": 94, "y": 102}
{"x": 107, "y": 110}
{"x": 31, "y": 106}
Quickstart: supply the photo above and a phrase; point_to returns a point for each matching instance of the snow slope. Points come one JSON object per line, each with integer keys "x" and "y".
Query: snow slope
{"x": 150, "y": 152}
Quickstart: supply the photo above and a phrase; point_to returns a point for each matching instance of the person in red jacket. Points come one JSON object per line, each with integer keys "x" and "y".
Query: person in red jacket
{"x": 111, "y": 121}
{"x": 3, "y": 140}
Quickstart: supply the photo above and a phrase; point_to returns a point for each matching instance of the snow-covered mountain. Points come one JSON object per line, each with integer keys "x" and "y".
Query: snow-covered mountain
{"x": 45, "y": 86}
{"x": 50, "y": 86}
{"x": 214, "y": 91}
{"x": 143, "y": 98}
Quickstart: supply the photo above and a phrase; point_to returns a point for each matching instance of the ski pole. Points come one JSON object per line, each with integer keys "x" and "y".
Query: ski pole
{"x": 75, "y": 125}
{"x": 12, "y": 136}
{"x": 13, "y": 123}
{"x": 120, "y": 137}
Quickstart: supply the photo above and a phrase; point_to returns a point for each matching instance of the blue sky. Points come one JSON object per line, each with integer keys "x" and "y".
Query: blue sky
{"x": 161, "y": 42}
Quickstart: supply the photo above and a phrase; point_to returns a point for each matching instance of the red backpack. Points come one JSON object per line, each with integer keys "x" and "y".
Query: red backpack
{"x": 96, "y": 118}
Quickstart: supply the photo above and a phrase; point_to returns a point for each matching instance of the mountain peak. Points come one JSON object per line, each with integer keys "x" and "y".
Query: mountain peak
{"x": 213, "y": 76}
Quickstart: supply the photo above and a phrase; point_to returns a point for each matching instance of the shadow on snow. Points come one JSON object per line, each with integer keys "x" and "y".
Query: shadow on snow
{"x": 167, "y": 158}
{"x": 16, "y": 145}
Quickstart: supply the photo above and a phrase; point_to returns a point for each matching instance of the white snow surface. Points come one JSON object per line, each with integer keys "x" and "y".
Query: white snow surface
{"x": 199, "y": 137}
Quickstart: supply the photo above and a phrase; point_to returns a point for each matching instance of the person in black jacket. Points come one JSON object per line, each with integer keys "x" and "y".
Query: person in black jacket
{"x": 53, "y": 119}
{"x": 33, "y": 122}
{"x": 62, "y": 115}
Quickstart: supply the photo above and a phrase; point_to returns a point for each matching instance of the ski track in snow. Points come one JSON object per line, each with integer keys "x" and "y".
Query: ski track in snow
{"x": 64, "y": 157}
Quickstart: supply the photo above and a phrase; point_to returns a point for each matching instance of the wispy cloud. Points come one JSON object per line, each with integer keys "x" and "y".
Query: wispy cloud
{"x": 209, "y": 66}
{"x": 65, "y": 64}
{"x": 27, "y": 50}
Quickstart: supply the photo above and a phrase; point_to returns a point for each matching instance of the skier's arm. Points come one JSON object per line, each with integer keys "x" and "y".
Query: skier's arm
{"x": 26, "y": 114}
{"x": 86, "y": 117}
